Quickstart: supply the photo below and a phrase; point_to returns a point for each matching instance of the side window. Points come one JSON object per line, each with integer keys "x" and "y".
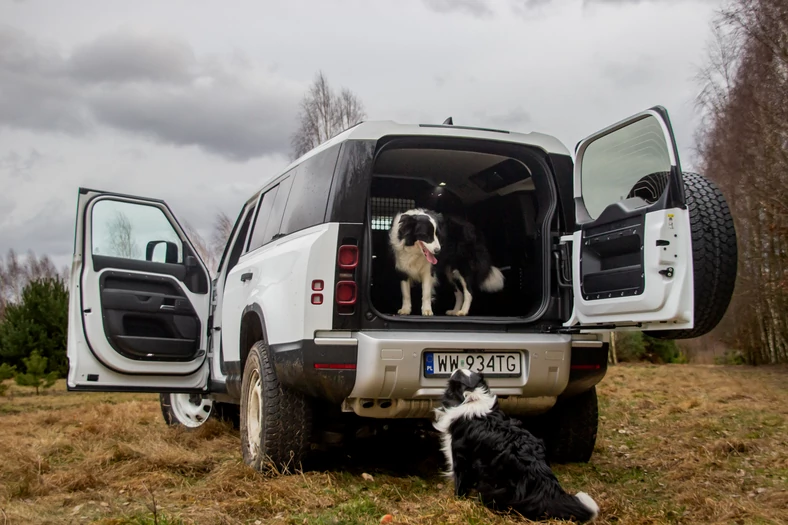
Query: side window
{"x": 261, "y": 221}
{"x": 308, "y": 199}
{"x": 279, "y": 207}
{"x": 133, "y": 231}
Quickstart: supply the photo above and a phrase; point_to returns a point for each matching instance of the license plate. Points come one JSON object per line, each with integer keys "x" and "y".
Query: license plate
{"x": 442, "y": 364}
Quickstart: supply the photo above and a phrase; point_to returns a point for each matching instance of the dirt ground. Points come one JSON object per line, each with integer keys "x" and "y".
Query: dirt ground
{"x": 677, "y": 444}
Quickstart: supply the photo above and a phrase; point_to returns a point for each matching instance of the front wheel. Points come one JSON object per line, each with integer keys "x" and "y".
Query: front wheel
{"x": 276, "y": 422}
{"x": 194, "y": 410}
{"x": 187, "y": 410}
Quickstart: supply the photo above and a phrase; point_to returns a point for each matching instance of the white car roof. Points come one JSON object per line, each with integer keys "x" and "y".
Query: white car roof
{"x": 374, "y": 130}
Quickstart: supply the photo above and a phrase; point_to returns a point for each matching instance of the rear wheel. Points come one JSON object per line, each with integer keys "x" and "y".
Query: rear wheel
{"x": 570, "y": 428}
{"x": 276, "y": 422}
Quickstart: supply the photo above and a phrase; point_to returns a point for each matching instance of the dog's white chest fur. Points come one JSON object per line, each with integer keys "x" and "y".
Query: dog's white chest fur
{"x": 410, "y": 260}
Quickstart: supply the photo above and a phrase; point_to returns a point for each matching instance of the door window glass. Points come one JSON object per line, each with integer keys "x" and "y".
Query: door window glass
{"x": 625, "y": 163}
{"x": 134, "y": 231}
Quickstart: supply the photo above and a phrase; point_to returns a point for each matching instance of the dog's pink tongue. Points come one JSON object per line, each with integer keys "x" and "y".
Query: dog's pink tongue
{"x": 431, "y": 258}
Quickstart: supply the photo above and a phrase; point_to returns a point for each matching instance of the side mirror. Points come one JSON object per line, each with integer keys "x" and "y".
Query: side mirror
{"x": 169, "y": 255}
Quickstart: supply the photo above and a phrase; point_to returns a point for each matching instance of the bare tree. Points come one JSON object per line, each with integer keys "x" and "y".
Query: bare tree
{"x": 211, "y": 251}
{"x": 744, "y": 148}
{"x": 15, "y": 274}
{"x": 222, "y": 229}
{"x": 323, "y": 114}
{"x": 121, "y": 237}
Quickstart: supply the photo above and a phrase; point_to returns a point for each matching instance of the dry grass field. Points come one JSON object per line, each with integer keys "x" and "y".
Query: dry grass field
{"x": 677, "y": 444}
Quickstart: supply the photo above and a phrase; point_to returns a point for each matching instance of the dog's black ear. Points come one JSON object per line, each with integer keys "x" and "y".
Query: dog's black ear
{"x": 406, "y": 223}
{"x": 439, "y": 224}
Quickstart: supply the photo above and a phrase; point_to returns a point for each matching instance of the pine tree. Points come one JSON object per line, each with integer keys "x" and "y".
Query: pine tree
{"x": 36, "y": 375}
{"x": 6, "y": 372}
{"x": 38, "y": 321}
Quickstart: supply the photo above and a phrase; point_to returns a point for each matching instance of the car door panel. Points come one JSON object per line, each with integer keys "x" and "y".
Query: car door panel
{"x": 632, "y": 250}
{"x": 137, "y": 318}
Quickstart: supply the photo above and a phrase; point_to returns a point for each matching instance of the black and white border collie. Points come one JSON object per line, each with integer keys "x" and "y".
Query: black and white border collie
{"x": 427, "y": 244}
{"x": 494, "y": 456}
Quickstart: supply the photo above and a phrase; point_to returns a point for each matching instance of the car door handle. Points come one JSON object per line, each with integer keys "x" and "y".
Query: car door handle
{"x": 246, "y": 277}
{"x": 167, "y": 307}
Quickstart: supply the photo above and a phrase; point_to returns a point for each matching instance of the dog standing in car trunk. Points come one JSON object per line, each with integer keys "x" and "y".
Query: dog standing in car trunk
{"x": 427, "y": 244}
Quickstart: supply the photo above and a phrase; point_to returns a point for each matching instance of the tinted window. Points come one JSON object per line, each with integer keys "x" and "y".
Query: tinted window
{"x": 279, "y": 207}
{"x": 261, "y": 222}
{"x": 308, "y": 199}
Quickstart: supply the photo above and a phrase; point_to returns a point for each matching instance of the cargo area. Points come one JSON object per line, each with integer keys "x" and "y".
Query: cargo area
{"x": 503, "y": 190}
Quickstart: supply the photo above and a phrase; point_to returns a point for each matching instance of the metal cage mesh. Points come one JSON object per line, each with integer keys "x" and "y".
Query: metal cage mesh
{"x": 383, "y": 210}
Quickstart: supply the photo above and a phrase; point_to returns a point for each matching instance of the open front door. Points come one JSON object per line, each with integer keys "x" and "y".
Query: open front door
{"x": 632, "y": 251}
{"x": 139, "y": 299}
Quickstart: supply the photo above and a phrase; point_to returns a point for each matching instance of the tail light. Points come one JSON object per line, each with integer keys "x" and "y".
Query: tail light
{"x": 348, "y": 257}
{"x": 346, "y": 293}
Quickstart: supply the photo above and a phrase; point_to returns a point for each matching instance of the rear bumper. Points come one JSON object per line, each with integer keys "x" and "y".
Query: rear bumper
{"x": 388, "y": 380}
{"x": 391, "y": 364}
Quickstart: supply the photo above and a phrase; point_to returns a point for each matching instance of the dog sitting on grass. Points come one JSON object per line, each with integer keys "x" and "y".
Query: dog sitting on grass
{"x": 494, "y": 456}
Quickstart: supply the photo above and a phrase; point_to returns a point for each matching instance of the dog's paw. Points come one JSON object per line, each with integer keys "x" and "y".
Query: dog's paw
{"x": 451, "y": 312}
{"x": 461, "y": 313}
{"x": 403, "y": 311}
{"x": 427, "y": 312}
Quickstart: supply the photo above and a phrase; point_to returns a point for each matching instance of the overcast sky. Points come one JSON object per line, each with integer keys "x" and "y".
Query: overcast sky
{"x": 194, "y": 102}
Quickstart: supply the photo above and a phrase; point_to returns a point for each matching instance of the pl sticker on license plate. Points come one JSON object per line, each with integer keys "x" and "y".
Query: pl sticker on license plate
{"x": 442, "y": 364}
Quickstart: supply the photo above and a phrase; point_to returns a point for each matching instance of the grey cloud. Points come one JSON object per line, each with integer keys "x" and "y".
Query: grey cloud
{"x": 125, "y": 57}
{"x": 228, "y": 120}
{"x": 628, "y": 74}
{"x": 477, "y": 8}
{"x": 20, "y": 164}
{"x": 510, "y": 120}
{"x": 523, "y": 6}
{"x": 50, "y": 231}
{"x": 35, "y": 93}
{"x": 624, "y": 2}
{"x": 149, "y": 86}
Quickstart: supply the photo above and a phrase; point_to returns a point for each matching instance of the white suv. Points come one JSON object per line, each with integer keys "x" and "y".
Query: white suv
{"x": 300, "y": 330}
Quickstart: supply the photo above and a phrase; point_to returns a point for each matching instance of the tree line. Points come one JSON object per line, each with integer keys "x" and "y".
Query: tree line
{"x": 33, "y": 320}
{"x": 743, "y": 146}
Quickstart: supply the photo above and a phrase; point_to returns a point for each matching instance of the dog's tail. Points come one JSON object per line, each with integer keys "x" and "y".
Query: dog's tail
{"x": 493, "y": 281}
{"x": 579, "y": 507}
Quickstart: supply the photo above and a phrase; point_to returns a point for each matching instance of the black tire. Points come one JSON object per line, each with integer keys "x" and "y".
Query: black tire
{"x": 570, "y": 428}
{"x": 714, "y": 256}
{"x": 280, "y": 439}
